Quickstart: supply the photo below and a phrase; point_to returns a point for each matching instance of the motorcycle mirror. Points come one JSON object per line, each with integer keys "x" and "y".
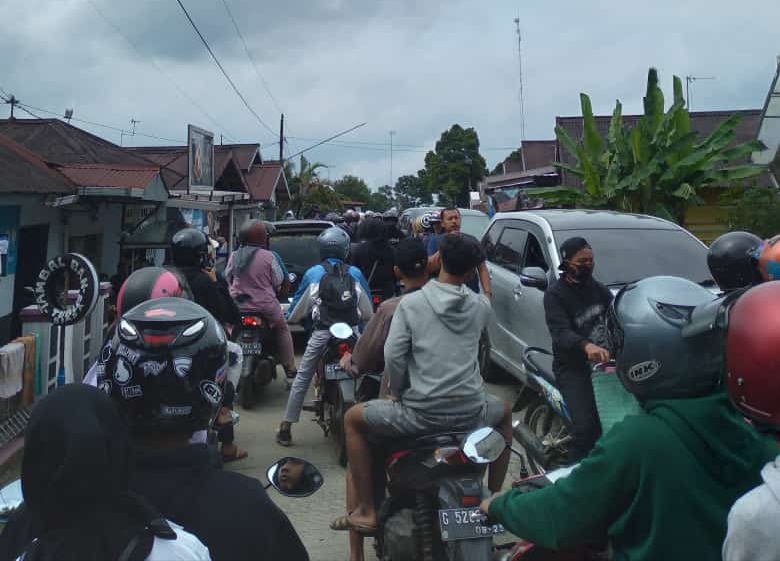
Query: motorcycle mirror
{"x": 292, "y": 277}
{"x": 294, "y": 477}
{"x": 341, "y": 331}
{"x": 10, "y": 498}
{"x": 484, "y": 445}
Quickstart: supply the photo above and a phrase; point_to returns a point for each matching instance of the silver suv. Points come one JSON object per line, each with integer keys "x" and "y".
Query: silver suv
{"x": 523, "y": 259}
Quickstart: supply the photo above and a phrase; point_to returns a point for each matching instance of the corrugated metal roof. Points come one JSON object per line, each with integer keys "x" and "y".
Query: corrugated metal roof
{"x": 22, "y": 171}
{"x": 110, "y": 176}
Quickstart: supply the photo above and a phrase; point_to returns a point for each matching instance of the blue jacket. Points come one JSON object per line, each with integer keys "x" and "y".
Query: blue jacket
{"x": 313, "y": 277}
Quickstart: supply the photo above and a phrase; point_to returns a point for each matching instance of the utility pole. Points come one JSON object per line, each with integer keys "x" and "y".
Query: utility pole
{"x": 281, "y": 139}
{"x": 392, "y": 133}
{"x": 688, "y": 80}
{"x": 13, "y": 102}
{"x": 123, "y": 134}
{"x": 522, "y": 90}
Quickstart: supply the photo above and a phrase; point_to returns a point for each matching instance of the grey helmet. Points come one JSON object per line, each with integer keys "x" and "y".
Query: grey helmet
{"x": 645, "y": 333}
{"x": 390, "y": 215}
{"x": 334, "y": 242}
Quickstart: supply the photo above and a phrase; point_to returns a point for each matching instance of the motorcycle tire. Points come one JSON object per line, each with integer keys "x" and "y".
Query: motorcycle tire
{"x": 246, "y": 393}
{"x": 483, "y": 357}
{"x": 544, "y": 422}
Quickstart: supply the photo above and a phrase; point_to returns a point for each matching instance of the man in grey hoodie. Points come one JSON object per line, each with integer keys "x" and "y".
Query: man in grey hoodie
{"x": 433, "y": 374}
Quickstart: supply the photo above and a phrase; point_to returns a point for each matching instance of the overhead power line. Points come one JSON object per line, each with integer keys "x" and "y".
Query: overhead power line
{"x": 227, "y": 134}
{"x": 342, "y": 133}
{"x": 377, "y": 146}
{"x": 224, "y": 72}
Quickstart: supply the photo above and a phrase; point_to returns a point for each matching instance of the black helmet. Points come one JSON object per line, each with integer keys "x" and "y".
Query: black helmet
{"x": 731, "y": 263}
{"x": 166, "y": 366}
{"x": 253, "y": 233}
{"x": 645, "y": 333}
{"x": 189, "y": 248}
{"x": 147, "y": 284}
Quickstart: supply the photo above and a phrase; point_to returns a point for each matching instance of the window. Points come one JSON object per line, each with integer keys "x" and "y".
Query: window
{"x": 509, "y": 251}
{"x": 490, "y": 240}
{"x": 534, "y": 255}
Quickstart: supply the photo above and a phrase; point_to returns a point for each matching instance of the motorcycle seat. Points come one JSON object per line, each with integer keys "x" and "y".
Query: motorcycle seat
{"x": 426, "y": 441}
{"x": 545, "y": 369}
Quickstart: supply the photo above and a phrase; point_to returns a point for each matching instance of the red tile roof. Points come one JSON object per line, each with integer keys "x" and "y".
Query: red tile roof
{"x": 110, "y": 176}
{"x": 22, "y": 171}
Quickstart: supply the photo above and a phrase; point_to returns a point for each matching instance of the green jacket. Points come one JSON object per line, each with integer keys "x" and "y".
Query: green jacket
{"x": 659, "y": 484}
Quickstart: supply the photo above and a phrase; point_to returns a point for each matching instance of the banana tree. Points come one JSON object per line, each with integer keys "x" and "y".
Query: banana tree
{"x": 657, "y": 167}
{"x": 302, "y": 179}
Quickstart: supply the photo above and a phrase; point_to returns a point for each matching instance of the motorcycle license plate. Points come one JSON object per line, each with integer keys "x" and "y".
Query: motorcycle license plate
{"x": 252, "y": 348}
{"x": 465, "y": 524}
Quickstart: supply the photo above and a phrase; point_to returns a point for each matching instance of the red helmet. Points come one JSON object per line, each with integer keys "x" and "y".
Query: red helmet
{"x": 147, "y": 284}
{"x": 254, "y": 233}
{"x": 753, "y": 354}
{"x": 769, "y": 259}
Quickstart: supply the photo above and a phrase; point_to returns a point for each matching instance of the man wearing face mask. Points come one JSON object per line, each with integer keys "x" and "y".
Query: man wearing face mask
{"x": 575, "y": 307}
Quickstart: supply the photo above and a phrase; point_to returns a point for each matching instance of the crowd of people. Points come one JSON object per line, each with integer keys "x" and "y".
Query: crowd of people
{"x": 128, "y": 470}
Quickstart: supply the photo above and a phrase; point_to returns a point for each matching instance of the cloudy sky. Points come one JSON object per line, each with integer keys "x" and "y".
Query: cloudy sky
{"x": 410, "y": 66}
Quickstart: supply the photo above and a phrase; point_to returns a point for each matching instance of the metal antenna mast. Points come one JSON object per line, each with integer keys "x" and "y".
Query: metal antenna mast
{"x": 688, "y": 81}
{"x": 520, "y": 65}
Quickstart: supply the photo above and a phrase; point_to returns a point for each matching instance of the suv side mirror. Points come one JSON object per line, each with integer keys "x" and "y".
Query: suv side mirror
{"x": 534, "y": 277}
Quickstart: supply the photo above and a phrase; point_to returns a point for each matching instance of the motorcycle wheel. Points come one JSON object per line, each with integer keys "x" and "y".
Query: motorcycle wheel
{"x": 246, "y": 392}
{"x": 550, "y": 428}
{"x": 336, "y": 412}
{"x": 483, "y": 357}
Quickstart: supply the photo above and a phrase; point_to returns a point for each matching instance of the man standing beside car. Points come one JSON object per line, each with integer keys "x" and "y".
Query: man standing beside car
{"x": 575, "y": 308}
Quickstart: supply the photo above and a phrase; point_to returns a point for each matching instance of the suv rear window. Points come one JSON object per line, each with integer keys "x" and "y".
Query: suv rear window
{"x": 298, "y": 252}
{"x": 625, "y": 255}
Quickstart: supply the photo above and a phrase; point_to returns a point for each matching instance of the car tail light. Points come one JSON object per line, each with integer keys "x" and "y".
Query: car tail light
{"x": 251, "y": 321}
{"x": 344, "y": 348}
{"x": 159, "y": 339}
{"x": 469, "y": 500}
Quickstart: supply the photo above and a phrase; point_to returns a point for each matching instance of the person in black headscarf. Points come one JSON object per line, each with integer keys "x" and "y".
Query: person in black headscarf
{"x": 575, "y": 308}
{"x": 75, "y": 479}
{"x": 374, "y": 257}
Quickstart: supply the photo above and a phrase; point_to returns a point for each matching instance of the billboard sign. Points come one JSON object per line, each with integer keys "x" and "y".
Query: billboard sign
{"x": 200, "y": 144}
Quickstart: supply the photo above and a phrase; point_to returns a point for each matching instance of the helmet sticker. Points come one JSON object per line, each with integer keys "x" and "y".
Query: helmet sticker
{"x": 105, "y": 355}
{"x": 153, "y": 367}
{"x": 210, "y": 392}
{"x": 182, "y": 365}
{"x": 132, "y": 391}
{"x": 128, "y": 353}
{"x": 123, "y": 372}
{"x": 643, "y": 370}
{"x": 105, "y": 386}
{"x": 175, "y": 410}
{"x": 159, "y": 312}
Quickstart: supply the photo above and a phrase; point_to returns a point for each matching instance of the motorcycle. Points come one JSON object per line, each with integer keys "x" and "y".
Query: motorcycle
{"x": 546, "y": 429}
{"x": 435, "y": 489}
{"x": 259, "y": 361}
{"x": 334, "y": 388}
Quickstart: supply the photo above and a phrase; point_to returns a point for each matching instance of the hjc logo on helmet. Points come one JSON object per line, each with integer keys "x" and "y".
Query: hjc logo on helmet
{"x": 643, "y": 370}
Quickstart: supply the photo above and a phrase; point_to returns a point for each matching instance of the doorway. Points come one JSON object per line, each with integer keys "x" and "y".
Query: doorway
{"x": 33, "y": 242}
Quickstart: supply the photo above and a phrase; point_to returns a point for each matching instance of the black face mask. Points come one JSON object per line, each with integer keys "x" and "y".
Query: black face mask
{"x": 581, "y": 273}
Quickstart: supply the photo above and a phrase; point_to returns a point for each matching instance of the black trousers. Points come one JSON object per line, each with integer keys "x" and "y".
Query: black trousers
{"x": 225, "y": 434}
{"x": 576, "y": 388}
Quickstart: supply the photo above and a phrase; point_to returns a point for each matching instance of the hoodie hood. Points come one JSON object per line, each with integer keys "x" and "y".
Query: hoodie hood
{"x": 454, "y": 305}
{"x": 730, "y": 449}
{"x": 771, "y": 476}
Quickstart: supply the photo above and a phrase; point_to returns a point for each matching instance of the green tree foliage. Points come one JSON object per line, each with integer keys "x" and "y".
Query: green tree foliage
{"x": 514, "y": 156}
{"x": 379, "y": 202}
{"x": 351, "y": 188}
{"x": 455, "y": 165}
{"x": 301, "y": 179}
{"x": 322, "y": 196}
{"x": 658, "y": 166}
{"x": 412, "y": 191}
{"x": 755, "y": 209}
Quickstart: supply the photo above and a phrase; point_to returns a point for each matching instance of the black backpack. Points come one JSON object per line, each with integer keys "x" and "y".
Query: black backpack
{"x": 338, "y": 296}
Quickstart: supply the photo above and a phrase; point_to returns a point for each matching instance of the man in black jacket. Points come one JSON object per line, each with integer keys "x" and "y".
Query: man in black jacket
{"x": 575, "y": 307}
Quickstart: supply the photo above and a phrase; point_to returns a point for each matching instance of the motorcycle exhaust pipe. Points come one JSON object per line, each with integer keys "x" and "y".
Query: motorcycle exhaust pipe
{"x": 530, "y": 442}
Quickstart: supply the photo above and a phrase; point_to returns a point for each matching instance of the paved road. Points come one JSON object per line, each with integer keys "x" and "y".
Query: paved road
{"x": 310, "y": 515}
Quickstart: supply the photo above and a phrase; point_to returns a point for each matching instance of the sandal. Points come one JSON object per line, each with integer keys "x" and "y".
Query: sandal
{"x": 344, "y": 524}
{"x": 239, "y": 454}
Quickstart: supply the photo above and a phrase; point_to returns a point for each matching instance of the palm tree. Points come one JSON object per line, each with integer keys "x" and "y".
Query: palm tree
{"x": 301, "y": 180}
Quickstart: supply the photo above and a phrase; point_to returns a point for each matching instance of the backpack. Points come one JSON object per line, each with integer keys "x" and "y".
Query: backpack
{"x": 338, "y": 296}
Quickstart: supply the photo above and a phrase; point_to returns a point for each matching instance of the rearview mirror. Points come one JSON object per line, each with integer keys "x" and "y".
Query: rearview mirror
{"x": 533, "y": 277}
{"x": 294, "y": 477}
{"x": 341, "y": 331}
{"x": 10, "y": 498}
{"x": 484, "y": 445}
